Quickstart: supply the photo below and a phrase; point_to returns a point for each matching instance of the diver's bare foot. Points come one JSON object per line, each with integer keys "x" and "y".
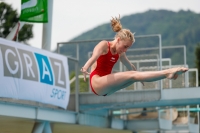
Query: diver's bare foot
{"x": 174, "y": 72}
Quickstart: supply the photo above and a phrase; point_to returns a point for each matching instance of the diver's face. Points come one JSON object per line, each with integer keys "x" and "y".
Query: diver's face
{"x": 123, "y": 45}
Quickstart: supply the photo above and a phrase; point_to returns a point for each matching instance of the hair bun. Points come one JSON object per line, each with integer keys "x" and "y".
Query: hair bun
{"x": 115, "y": 23}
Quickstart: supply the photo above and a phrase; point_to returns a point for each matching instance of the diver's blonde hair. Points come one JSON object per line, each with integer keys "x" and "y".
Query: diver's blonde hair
{"x": 121, "y": 33}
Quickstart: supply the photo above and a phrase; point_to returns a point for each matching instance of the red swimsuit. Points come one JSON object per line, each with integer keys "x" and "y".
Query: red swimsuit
{"x": 104, "y": 66}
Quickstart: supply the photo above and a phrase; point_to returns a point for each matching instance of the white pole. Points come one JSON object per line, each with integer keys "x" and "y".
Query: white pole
{"x": 47, "y": 128}
{"x": 46, "y": 37}
{"x": 38, "y": 127}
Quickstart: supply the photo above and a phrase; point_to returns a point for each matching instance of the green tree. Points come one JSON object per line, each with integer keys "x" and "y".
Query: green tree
{"x": 197, "y": 61}
{"x": 83, "y": 86}
{"x": 8, "y": 19}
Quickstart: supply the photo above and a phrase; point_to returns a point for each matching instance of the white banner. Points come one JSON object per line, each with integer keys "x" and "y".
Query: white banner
{"x": 33, "y": 74}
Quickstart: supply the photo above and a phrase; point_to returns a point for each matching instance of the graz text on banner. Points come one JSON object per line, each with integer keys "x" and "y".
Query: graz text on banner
{"x": 33, "y": 74}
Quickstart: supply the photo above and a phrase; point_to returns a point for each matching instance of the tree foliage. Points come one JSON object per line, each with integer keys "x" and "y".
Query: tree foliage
{"x": 8, "y": 19}
{"x": 83, "y": 86}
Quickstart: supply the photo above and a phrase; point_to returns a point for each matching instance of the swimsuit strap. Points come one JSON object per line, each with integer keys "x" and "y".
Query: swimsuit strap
{"x": 108, "y": 45}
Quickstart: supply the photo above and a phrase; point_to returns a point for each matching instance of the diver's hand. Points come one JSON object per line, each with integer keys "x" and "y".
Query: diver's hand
{"x": 85, "y": 73}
